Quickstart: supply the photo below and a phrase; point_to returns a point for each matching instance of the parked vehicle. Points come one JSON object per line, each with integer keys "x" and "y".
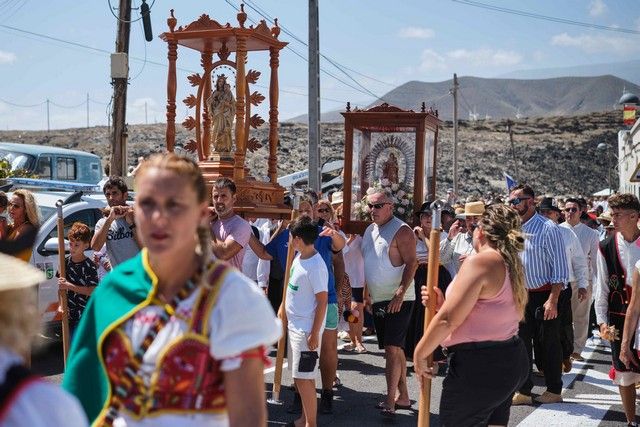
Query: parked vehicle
{"x": 53, "y": 163}
{"x": 331, "y": 177}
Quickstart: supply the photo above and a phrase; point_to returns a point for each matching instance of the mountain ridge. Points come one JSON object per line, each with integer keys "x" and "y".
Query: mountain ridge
{"x": 505, "y": 98}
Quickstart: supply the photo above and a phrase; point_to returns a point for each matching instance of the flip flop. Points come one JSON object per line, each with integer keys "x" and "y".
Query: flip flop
{"x": 388, "y": 413}
{"x": 361, "y": 350}
{"x": 383, "y": 405}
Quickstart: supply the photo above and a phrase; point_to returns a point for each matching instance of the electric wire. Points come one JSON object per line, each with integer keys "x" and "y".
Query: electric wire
{"x": 144, "y": 63}
{"x": 545, "y": 17}
{"x": 111, "y": 9}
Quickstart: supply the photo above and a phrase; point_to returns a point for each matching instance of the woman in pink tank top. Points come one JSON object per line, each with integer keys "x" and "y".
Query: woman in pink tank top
{"x": 477, "y": 324}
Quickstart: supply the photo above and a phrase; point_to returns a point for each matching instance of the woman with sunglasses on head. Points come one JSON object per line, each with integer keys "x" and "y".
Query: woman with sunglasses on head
{"x": 477, "y": 324}
{"x": 167, "y": 338}
{"x": 25, "y": 218}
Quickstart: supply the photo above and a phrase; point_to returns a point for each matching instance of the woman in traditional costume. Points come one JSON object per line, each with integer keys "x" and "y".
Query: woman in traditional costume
{"x": 25, "y": 399}
{"x": 172, "y": 337}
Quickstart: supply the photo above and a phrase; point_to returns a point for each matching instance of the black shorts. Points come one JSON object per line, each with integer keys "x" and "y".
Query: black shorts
{"x": 357, "y": 295}
{"x": 391, "y": 328}
{"x": 480, "y": 383}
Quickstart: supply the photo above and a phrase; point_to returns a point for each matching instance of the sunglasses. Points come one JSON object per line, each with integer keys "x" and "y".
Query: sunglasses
{"x": 376, "y": 205}
{"x": 571, "y": 209}
{"x": 518, "y": 200}
{"x": 324, "y": 210}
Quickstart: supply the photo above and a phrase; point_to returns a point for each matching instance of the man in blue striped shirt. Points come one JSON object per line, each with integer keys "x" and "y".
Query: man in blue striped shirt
{"x": 546, "y": 273}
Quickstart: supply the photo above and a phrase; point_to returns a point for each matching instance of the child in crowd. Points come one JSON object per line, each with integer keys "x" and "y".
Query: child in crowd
{"x": 4, "y": 225}
{"x": 81, "y": 273}
{"x": 306, "y": 308}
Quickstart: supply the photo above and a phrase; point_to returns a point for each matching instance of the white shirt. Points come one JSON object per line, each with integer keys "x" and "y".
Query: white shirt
{"x": 589, "y": 241}
{"x": 354, "y": 262}
{"x": 452, "y": 250}
{"x": 307, "y": 278}
{"x": 578, "y": 269}
{"x": 41, "y": 403}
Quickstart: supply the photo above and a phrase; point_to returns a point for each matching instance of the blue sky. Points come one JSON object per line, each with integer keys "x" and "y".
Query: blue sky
{"x": 391, "y": 42}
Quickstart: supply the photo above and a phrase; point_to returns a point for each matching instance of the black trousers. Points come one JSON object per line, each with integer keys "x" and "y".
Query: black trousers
{"x": 548, "y": 332}
{"x": 480, "y": 383}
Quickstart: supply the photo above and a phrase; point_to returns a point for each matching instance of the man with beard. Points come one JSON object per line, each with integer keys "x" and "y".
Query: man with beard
{"x": 230, "y": 232}
{"x": 117, "y": 229}
{"x": 546, "y": 273}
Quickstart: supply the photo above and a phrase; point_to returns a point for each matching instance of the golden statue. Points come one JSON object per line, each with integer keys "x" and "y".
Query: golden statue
{"x": 390, "y": 169}
{"x": 222, "y": 109}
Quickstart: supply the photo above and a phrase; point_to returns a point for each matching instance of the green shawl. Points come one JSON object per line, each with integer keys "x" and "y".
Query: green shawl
{"x": 129, "y": 287}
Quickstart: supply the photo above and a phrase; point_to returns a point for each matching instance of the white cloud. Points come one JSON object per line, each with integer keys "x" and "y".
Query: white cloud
{"x": 486, "y": 57}
{"x": 597, "y": 7}
{"x": 416, "y": 33}
{"x": 7, "y": 57}
{"x": 597, "y": 44}
{"x": 432, "y": 60}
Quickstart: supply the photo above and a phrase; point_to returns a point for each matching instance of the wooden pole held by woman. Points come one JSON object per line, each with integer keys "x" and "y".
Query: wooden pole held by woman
{"x": 282, "y": 342}
{"x": 432, "y": 281}
{"x": 62, "y": 294}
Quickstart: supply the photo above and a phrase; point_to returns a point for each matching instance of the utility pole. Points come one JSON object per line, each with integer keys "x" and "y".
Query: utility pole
{"x": 120, "y": 80}
{"x": 87, "y": 110}
{"x": 454, "y": 92}
{"x": 315, "y": 182}
{"x": 48, "y": 123}
{"x": 513, "y": 150}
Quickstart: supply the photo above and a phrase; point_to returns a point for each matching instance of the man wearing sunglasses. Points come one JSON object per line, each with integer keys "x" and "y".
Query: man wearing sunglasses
{"x": 581, "y": 298}
{"x": 389, "y": 252}
{"x": 546, "y": 274}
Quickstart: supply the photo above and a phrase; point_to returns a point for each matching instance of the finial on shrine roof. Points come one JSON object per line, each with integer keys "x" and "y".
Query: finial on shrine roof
{"x": 275, "y": 30}
{"x": 242, "y": 16}
{"x": 172, "y": 21}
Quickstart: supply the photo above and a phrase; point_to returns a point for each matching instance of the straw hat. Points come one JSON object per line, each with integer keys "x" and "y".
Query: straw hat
{"x": 471, "y": 209}
{"x": 336, "y": 198}
{"x": 16, "y": 274}
{"x": 605, "y": 216}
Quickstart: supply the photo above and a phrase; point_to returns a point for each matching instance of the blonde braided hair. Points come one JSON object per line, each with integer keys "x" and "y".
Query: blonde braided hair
{"x": 502, "y": 228}
{"x": 188, "y": 169}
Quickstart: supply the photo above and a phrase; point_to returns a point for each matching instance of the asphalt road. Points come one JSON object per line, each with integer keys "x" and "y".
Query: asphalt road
{"x": 590, "y": 399}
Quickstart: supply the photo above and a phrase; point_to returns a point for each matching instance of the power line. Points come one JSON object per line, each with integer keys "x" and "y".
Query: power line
{"x": 266, "y": 15}
{"x": 111, "y": 9}
{"x": 13, "y": 104}
{"x": 103, "y": 51}
{"x": 545, "y": 17}
{"x": 364, "y": 90}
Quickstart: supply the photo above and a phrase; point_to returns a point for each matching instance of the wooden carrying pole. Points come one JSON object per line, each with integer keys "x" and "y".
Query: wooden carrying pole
{"x": 432, "y": 281}
{"x": 62, "y": 294}
{"x": 282, "y": 342}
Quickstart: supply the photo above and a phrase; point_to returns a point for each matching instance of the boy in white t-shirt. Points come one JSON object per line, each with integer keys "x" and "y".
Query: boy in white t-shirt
{"x": 306, "y": 307}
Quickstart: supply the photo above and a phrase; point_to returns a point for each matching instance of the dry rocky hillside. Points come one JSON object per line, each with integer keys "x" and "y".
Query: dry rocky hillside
{"x": 556, "y": 155}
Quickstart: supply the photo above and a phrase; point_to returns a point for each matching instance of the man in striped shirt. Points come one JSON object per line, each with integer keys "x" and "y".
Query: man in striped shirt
{"x": 546, "y": 274}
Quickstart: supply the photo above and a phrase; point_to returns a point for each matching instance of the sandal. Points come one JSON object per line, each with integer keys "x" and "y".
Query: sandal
{"x": 383, "y": 405}
{"x": 388, "y": 413}
{"x": 361, "y": 350}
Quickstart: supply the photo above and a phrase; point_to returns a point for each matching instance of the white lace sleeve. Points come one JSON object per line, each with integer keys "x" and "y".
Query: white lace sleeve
{"x": 241, "y": 319}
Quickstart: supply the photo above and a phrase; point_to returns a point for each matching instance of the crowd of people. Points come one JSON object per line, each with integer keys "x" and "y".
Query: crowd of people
{"x": 178, "y": 332}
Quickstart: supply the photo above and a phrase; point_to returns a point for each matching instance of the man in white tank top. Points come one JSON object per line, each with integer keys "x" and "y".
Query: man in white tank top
{"x": 389, "y": 251}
